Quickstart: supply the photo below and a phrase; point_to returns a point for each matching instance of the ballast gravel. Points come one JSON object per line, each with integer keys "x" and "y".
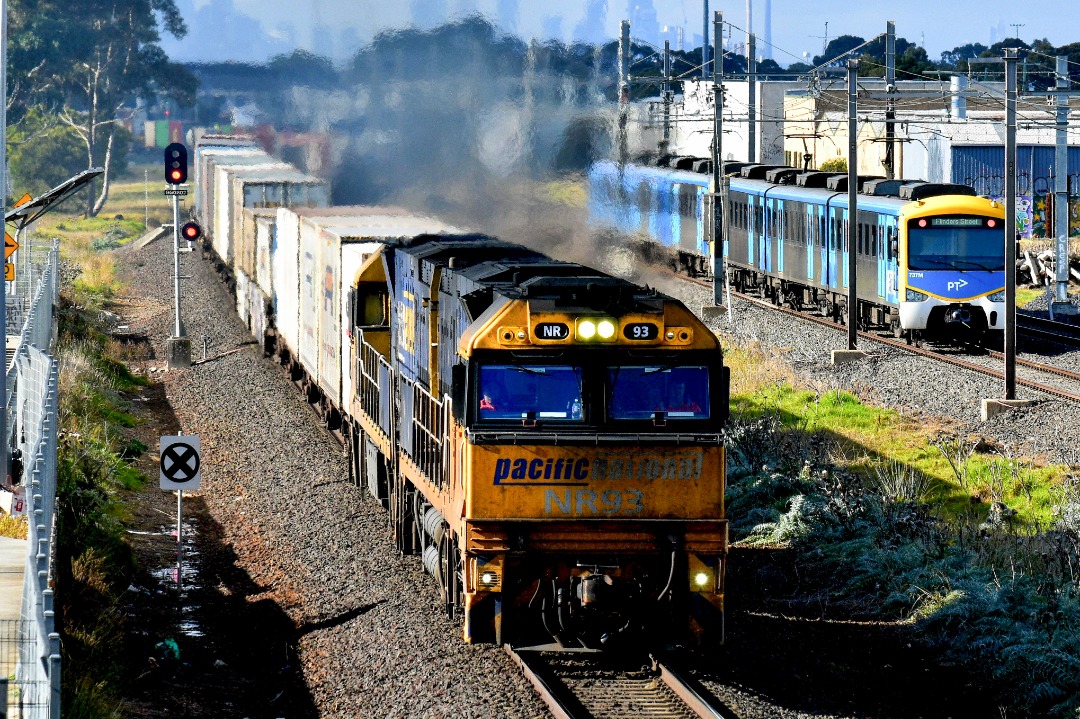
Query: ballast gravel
{"x": 373, "y": 641}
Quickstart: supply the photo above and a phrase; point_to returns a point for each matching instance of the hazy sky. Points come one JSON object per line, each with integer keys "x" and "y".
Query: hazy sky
{"x": 797, "y": 25}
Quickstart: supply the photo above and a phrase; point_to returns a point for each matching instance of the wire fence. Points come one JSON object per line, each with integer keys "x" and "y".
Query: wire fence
{"x": 30, "y": 645}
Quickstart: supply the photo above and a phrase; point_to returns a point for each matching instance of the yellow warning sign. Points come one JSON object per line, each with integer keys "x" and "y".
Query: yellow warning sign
{"x": 9, "y": 272}
{"x": 10, "y": 245}
{"x": 23, "y": 200}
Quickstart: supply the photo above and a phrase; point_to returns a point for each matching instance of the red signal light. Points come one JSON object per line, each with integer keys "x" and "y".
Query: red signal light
{"x": 922, "y": 223}
{"x": 176, "y": 164}
{"x": 991, "y": 223}
{"x": 191, "y": 231}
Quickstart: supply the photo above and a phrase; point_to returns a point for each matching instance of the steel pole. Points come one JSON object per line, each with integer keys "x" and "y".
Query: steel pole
{"x": 1010, "y": 223}
{"x": 890, "y": 107}
{"x": 1061, "y": 184}
{"x": 751, "y": 129}
{"x": 705, "y": 40}
{"x": 719, "y": 276}
{"x": 178, "y": 329}
{"x": 853, "y": 209}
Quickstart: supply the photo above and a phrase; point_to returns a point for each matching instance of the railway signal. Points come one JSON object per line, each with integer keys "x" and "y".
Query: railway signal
{"x": 176, "y": 164}
{"x": 191, "y": 231}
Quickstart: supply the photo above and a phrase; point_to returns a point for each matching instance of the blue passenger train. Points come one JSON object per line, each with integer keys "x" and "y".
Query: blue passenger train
{"x": 930, "y": 257}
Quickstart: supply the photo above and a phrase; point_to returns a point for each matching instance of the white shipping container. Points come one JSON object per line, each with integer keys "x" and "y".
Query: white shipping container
{"x": 205, "y": 160}
{"x": 224, "y": 203}
{"x": 264, "y": 242}
{"x": 257, "y": 310}
{"x": 286, "y": 282}
{"x": 242, "y": 298}
{"x": 310, "y": 290}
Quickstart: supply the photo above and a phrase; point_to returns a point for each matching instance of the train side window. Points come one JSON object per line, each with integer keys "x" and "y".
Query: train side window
{"x": 371, "y": 306}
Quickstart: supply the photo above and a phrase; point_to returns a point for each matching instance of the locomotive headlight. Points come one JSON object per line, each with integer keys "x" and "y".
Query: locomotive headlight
{"x": 586, "y": 329}
{"x": 606, "y": 329}
{"x": 701, "y": 579}
{"x": 915, "y": 296}
{"x": 998, "y": 296}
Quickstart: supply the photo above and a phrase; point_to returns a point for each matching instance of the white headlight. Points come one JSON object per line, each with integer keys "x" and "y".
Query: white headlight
{"x": 701, "y": 579}
{"x": 586, "y": 329}
{"x": 606, "y": 329}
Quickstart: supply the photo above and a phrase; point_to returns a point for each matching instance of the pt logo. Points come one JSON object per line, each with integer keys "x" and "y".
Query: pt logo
{"x": 957, "y": 285}
{"x": 180, "y": 463}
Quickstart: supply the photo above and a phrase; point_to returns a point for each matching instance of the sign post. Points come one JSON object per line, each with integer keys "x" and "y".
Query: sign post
{"x": 180, "y": 469}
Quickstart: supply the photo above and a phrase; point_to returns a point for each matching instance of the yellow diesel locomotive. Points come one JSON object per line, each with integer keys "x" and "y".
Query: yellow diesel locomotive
{"x": 546, "y": 437}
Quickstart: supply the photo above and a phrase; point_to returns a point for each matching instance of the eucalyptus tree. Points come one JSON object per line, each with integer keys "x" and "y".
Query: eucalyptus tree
{"x": 89, "y": 61}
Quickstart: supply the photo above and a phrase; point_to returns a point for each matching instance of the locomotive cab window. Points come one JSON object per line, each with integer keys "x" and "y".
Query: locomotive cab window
{"x": 371, "y": 305}
{"x": 541, "y": 392}
{"x": 638, "y": 393}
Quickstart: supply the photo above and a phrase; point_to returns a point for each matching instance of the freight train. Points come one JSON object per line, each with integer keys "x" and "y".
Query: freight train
{"x": 930, "y": 258}
{"x": 547, "y": 438}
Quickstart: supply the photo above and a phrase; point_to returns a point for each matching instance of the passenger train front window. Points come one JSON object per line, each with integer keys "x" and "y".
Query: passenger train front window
{"x": 542, "y": 392}
{"x": 952, "y": 247}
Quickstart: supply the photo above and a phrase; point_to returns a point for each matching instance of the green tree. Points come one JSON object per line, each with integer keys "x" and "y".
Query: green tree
{"x": 99, "y": 56}
{"x": 41, "y": 153}
{"x": 834, "y": 164}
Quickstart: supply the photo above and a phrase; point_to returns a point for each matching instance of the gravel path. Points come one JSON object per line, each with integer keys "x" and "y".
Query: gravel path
{"x": 371, "y": 640}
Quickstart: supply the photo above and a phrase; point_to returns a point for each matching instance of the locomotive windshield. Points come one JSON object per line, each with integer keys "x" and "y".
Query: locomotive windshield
{"x": 640, "y": 392}
{"x": 551, "y": 392}
{"x": 956, "y": 243}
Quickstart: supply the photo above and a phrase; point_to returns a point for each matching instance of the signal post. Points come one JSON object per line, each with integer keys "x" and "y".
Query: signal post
{"x": 178, "y": 347}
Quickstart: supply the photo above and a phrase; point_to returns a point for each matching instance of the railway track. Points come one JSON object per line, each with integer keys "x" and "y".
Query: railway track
{"x": 1072, "y": 395}
{"x": 587, "y": 684}
{"x": 1049, "y": 330}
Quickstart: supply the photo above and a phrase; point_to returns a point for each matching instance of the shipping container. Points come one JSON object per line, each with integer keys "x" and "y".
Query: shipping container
{"x": 264, "y": 247}
{"x": 242, "y": 298}
{"x": 176, "y": 131}
{"x": 204, "y": 176}
{"x": 247, "y": 240}
{"x": 264, "y": 187}
{"x": 257, "y": 311}
{"x": 150, "y": 133}
{"x": 211, "y": 145}
{"x": 161, "y": 133}
{"x": 225, "y": 204}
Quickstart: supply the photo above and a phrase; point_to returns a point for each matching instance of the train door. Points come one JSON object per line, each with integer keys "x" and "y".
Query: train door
{"x": 751, "y": 227}
{"x": 779, "y": 235}
{"x": 761, "y": 234}
{"x": 808, "y": 239}
{"x": 828, "y": 225}
{"x": 841, "y": 241}
{"x": 888, "y": 262}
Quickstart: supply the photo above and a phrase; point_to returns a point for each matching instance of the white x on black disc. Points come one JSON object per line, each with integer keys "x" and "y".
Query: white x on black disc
{"x": 180, "y": 462}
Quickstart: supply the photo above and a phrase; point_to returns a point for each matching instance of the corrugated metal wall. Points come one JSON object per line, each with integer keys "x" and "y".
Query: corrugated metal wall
{"x": 983, "y": 167}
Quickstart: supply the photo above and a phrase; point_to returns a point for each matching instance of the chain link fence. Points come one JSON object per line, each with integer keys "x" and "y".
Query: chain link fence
{"x": 30, "y": 645}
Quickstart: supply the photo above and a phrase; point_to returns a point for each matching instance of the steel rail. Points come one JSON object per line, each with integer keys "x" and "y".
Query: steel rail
{"x": 662, "y": 693}
{"x": 902, "y": 345}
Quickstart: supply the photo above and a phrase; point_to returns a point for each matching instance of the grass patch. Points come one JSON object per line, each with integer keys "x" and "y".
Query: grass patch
{"x": 963, "y": 473}
{"x": 95, "y": 564}
{"x": 14, "y": 527}
{"x": 976, "y": 548}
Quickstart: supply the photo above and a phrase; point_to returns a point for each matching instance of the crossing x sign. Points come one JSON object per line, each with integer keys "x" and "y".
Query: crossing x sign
{"x": 181, "y": 466}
